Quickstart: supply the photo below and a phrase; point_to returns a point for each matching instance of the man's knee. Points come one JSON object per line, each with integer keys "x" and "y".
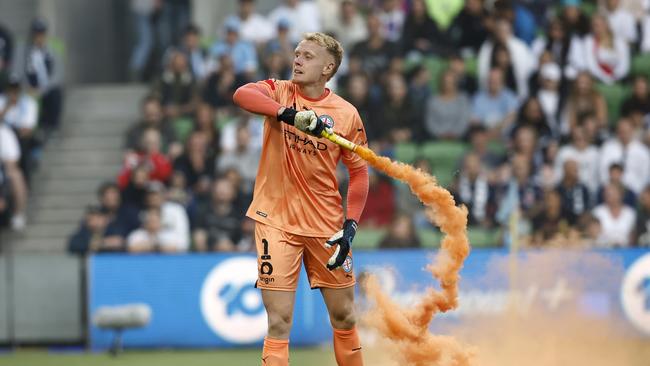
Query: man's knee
{"x": 279, "y": 323}
{"x": 343, "y": 317}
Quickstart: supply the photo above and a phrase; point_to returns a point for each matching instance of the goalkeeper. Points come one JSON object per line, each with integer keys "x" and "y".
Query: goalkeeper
{"x": 296, "y": 203}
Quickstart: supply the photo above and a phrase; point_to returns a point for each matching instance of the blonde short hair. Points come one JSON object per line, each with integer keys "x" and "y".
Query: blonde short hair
{"x": 332, "y": 46}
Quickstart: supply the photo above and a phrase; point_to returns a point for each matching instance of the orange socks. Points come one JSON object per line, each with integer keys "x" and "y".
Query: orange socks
{"x": 276, "y": 352}
{"x": 347, "y": 347}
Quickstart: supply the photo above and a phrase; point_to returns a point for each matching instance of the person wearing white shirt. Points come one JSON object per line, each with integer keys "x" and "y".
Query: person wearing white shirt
{"x": 616, "y": 219}
{"x": 621, "y": 21}
{"x": 549, "y": 94}
{"x": 584, "y": 154}
{"x": 602, "y": 53}
{"x": 632, "y": 154}
{"x": 253, "y": 27}
{"x": 645, "y": 34}
{"x": 10, "y": 157}
{"x": 175, "y": 223}
{"x": 521, "y": 57}
{"x": 152, "y": 237}
{"x": 392, "y": 18}
{"x": 349, "y": 26}
{"x": 302, "y": 16}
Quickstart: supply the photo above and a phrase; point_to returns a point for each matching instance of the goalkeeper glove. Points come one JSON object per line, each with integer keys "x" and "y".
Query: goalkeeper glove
{"x": 343, "y": 239}
{"x": 306, "y": 121}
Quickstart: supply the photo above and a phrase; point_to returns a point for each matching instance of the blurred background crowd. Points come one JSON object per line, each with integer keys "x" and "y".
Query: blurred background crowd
{"x": 534, "y": 114}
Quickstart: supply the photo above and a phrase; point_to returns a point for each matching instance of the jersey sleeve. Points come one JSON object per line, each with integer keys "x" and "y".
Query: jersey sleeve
{"x": 357, "y": 134}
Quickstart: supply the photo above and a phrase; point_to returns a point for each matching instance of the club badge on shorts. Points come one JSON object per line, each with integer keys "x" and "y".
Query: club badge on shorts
{"x": 327, "y": 120}
{"x": 347, "y": 264}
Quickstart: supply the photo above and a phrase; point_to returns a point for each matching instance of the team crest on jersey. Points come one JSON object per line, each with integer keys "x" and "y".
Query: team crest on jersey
{"x": 327, "y": 120}
{"x": 347, "y": 264}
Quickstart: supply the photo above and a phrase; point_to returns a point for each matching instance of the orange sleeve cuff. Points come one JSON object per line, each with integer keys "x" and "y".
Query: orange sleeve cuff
{"x": 256, "y": 98}
{"x": 357, "y": 191}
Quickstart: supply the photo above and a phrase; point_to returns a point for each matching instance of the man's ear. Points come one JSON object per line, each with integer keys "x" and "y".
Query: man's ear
{"x": 328, "y": 69}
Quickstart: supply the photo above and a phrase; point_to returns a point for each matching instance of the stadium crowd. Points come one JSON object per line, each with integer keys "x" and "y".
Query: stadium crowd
{"x": 535, "y": 114}
{"x": 31, "y": 99}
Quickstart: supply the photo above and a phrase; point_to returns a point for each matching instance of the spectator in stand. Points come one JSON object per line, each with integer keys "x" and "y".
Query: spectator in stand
{"x": 380, "y": 205}
{"x": 243, "y": 119}
{"x": 90, "y": 237}
{"x": 282, "y": 43}
{"x": 121, "y": 217}
{"x": 630, "y": 153}
{"x": 196, "y": 164}
{"x": 522, "y": 20}
{"x": 175, "y": 222}
{"x": 303, "y": 17}
{"x": 173, "y": 18}
{"x": 358, "y": 93}
{"x": 495, "y": 107}
{"x": 531, "y": 115}
{"x": 5, "y": 198}
{"x": 505, "y": 51}
{"x": 472, "y": 189}
{"x": 349, "y": 27}
{"x": 217, "y": 225}
{"x": 397, "y": 118}
{"x": 466, "y": 82}
{"x": 448, "y": 113}
{"x": 621, "y": 22}
{"x": 573, "y": 193}
{"x": 196, "y": 54}
{"x": 616, "y": 173}
{"x": 6, "y": 55}
{"x": 153, "y": 236}
{"x": 550, "y": 96}
{"x": 244, "y": 158}
{"x": 642, "y": 228}
{"x": 392, "y": 18}
{"x": 158, "y": 166}
{"x": 242, "y": 53}
{"x": 421, "y": 35}
{"x": 375, "y": 53}
{"x": 44, "y": 74}
{"x": 616, "y": 218}
{"x": 20, "y": 112}
{"x": 401, "y": 234}
{"x": 520, "y": 192}
{"x": 143, "y": 12}
{"x": 585, "y": 154}
{"x": 479, "y": 144}
{"x": 135, "y": 193}
{"x": 419, "y": 88}
{"x": 576, "y": 23}
{"x": 558, "y": 42}
{"x": 468, "y": 30}
{"x": 585, "y": 99}
{"x": 550, "y": 226}
{"x": 176, "y": 87}
{"x": 276, "y": 67}
{"x": 152, "y": 118}
{"x": 204, "y": 122}
{"x": 637, "y": 106}
{"x": 254, "y": 27}
{"x": 221, "y": 84}
{"x": 601, "y": 53}
{"x": 645, "y": 32}
{"x": 10, "y": 158}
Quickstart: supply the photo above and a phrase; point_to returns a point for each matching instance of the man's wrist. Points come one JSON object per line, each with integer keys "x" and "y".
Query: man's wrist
{"x": 288, "y": 115}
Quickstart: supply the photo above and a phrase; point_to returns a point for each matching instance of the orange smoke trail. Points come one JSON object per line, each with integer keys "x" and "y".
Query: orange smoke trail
{"x": 409, "y": 329}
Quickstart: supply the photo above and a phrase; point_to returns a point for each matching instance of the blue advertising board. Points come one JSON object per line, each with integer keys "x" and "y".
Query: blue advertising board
{"x": 209, "y": 300}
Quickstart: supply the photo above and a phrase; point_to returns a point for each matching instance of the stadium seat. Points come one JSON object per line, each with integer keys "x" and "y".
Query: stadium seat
{"x": 614, "y": 95}
{"x": 443, "y": 157}
{"x": 430, "y": 238}
{"x": 484, "y": 238}
{"x": 406, "y": 152}
{"x": 368, "y": 238}
{"x": 641, "y": 65}
{"x": 183, "y": 127}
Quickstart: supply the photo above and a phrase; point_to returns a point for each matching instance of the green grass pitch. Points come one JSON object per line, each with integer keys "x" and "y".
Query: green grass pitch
{"x": 239, "y": 357}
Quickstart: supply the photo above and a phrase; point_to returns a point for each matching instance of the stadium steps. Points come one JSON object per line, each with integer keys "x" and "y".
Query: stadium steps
{"x": 86, "y": 151}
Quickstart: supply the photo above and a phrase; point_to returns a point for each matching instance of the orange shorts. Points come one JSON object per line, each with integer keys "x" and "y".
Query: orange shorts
{"x": 280, "y": 254}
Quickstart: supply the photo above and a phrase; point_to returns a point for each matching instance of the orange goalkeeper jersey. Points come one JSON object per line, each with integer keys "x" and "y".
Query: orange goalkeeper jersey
{"x": 296, "y": 189}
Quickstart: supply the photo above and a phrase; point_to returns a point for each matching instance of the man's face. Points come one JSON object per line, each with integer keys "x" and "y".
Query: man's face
{"x": 111, "y": 198}
{"x": 311, "y": 63}
{"x": 495, "y": 81}
{"x": 152, "y": 112}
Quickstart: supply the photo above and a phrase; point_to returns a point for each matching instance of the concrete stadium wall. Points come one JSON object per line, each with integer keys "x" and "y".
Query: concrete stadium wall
{"x": 44, "y": 302}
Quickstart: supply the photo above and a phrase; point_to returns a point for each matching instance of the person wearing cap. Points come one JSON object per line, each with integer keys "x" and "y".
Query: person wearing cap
{"x": 242, "y": 53}
{"x": 44, "y": 75}
{"x": 89, "y": 237}
{"x": 19, "y": 111}
{"x": 254, "y": 27}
